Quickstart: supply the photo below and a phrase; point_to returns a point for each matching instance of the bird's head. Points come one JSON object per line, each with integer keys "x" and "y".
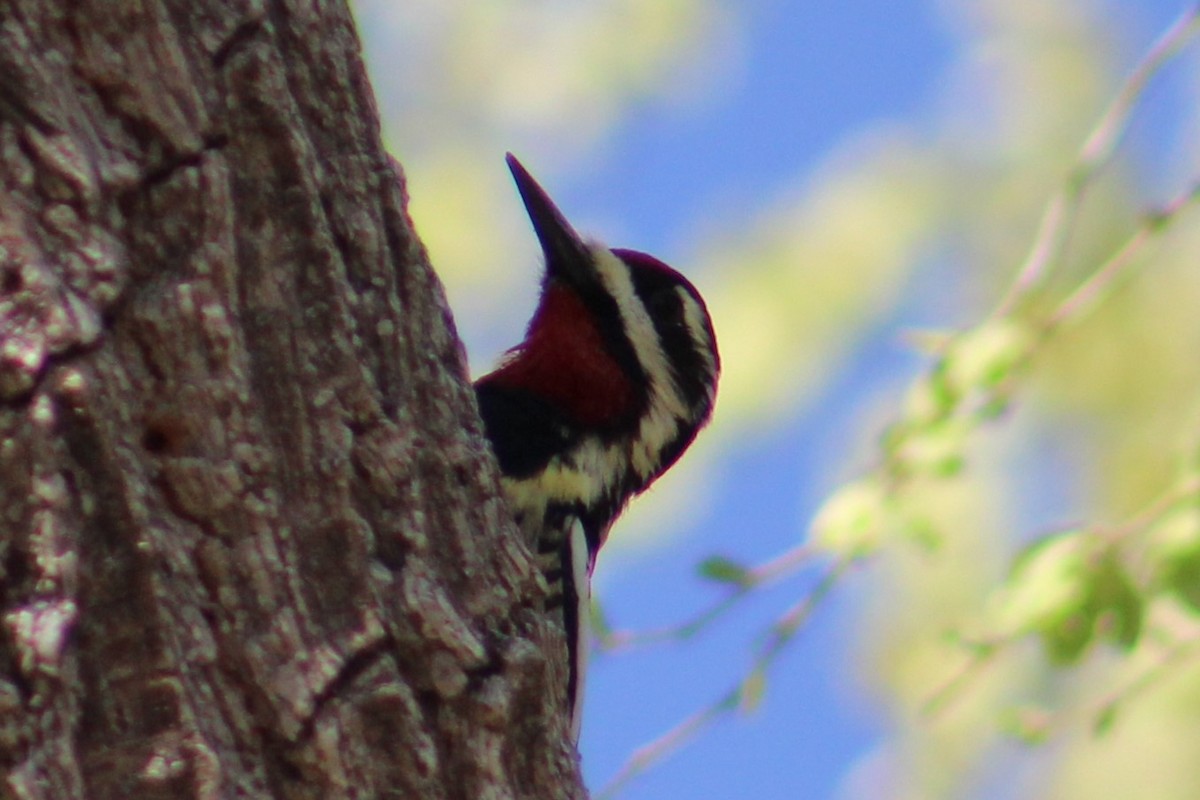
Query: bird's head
{"x": 620, "y": 343}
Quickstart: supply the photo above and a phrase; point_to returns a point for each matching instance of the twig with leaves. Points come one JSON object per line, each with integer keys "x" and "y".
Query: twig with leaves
{"x": 740, "y": 581}
{"x": 1094, "y": 155}
{"x": 969, "y": 384}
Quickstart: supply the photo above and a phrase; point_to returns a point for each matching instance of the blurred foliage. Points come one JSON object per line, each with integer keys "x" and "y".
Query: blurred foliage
{"x": 1075, "y": 349}
{"x": 461, "y": 82}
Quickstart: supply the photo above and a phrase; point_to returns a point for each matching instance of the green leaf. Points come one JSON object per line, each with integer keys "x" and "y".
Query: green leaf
{"x": 1117, "y": 600}
{"x": 1029, "y": 723}
{"x": 853, "y": 521}
{"x": 753, "y": 689}
{"x": 1068, "y": 589}
{"x": 920, "y": 529}
{"x": 1046, "y": 586}
{"x": 936, "y": 449}
{"x": 1173, "y": 550}
{"x": 1183, "y": 580}
{"x": 930, "y": 400}
{"x": 1105, "y": 719}
{"x": 1066, "y": 639}
{"x": 987, "y": 356}
{"x": 725, "y": 570}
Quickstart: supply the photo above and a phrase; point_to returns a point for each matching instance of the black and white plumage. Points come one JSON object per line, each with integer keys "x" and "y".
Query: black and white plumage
{"x": 616, "y": 375}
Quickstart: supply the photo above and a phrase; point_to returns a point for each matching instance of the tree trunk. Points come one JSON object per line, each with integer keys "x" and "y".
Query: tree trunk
{"x": 251, "y": 540}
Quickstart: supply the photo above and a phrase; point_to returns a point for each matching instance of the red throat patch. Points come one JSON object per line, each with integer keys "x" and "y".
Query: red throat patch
{"x": 564, "y": 360}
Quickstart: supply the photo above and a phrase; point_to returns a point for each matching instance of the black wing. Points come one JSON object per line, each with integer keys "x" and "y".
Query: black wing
{"x": 525, "y": 430}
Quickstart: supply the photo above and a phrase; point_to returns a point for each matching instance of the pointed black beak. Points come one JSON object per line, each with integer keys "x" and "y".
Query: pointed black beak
{"x": 566, "y": 255}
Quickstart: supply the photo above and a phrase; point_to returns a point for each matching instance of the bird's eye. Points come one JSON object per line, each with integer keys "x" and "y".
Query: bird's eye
{"x": 665, "y": 305}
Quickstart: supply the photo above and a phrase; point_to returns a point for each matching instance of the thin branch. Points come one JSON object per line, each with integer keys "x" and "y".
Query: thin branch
{"x": 1181, "y": 653}
{"x": 656, "y": 751}
{"x": 782, "y": 632}
{"x": 785, "y": 629}
{"x": 1153, "y": 225}
{"x": 1156, "y": 509}
{"x": 779, "y": 567}
{"x": 782, "y": 565}
{"x": 1094, "y": 154}
{"x": 940, "y": 699}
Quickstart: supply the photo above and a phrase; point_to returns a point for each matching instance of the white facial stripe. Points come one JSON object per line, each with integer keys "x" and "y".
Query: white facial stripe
{"x": 695, "y": 318}
{"x": 615, "y": 274}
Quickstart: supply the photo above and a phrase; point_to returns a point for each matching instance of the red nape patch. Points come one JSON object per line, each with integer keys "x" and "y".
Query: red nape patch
{"x": 564, "y": 360}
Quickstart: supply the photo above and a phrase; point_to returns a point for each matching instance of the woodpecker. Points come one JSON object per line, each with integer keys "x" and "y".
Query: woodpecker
{"x": 615, "y": 377}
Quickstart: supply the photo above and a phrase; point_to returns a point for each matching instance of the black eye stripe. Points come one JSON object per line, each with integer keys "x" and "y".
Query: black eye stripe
{"x": 665, "y": 305}
{"x": 657, "y": 288}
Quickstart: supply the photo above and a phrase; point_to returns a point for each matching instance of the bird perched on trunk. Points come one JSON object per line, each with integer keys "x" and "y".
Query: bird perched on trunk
{"x": 616, "y": 375}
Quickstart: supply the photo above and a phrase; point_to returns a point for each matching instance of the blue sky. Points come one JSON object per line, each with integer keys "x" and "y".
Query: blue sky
{"x": 813, "y": 71}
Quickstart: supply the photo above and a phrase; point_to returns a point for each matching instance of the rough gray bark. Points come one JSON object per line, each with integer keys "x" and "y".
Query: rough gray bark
{"x": 250, "y": 540}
